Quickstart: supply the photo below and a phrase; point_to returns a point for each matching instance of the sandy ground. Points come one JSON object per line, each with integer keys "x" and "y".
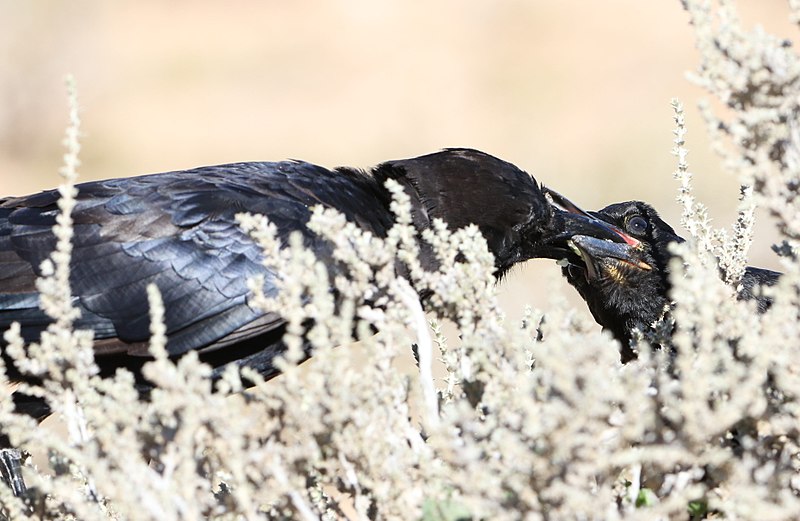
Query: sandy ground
{"x": 576, "y": 93}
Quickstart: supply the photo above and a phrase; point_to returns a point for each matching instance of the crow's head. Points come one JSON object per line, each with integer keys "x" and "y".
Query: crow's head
{"x": 465, "y": 186}
{"x": 625, "y": 284}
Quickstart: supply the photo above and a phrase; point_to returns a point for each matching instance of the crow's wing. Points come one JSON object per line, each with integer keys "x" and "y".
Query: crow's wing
{"x": 177, "y": 230}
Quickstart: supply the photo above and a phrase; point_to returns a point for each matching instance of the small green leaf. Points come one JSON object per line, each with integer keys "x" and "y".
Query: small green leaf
{"x": 646, "y": 498}
{"x": 698, "y": 508}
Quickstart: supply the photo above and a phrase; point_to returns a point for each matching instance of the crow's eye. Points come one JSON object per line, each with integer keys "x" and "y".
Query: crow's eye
{"x": 637, "y": 224}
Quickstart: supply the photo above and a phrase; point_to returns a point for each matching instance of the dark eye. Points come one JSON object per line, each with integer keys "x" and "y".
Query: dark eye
{"x": 637, "y": 224}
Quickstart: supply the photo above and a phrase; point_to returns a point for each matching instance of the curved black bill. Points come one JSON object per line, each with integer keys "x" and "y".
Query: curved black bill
{"x": 568, "y": 221}
{"x": 581, "y": 222}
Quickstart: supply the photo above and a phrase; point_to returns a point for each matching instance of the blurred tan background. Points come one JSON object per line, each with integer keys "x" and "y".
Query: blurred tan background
{"x": 577, "y": 93}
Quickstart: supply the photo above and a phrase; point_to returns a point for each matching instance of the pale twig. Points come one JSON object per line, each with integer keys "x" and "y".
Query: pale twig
{"x": 54, "y": 286}
{"x": 410, "y": 300}
{"x": 158, "y": 331}
{"x": 297, "y": 500}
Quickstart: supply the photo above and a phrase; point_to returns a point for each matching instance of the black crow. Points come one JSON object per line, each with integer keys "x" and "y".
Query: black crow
{"x": 178, "y": 230}
{"x": 626, "y": 285}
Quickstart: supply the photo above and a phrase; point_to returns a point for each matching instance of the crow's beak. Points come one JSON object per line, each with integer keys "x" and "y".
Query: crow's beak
{"x": 593, "y": 250}
{"x": 570, "y": 220}
{"x": 580, "y": 222}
